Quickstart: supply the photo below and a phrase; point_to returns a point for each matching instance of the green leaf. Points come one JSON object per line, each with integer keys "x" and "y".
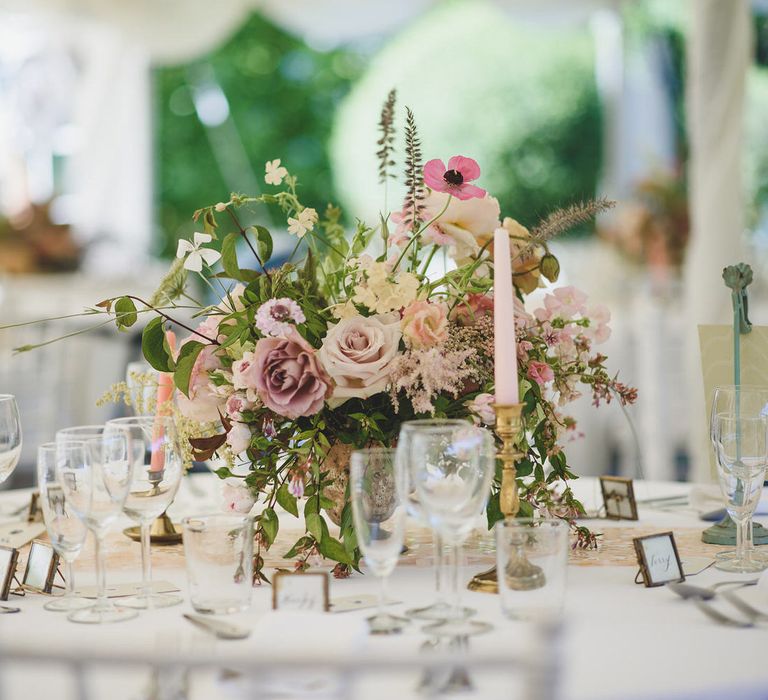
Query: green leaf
{"x": 314, "y": 525}
{"x": 154, "y": 346}
{"x": 229, "y": 256}
{"x": 263, "y": 242}
{"x": 331, "y": 548}
{"x": 125, "y": 313}
{"x": 493, "y": 510}
{"x": 184, "y": 364}
{"x": 270, "y": 524}
{"x": 223, "y": 472}
{"x": 311, "y": 505}
{"x": 287, "y": 500}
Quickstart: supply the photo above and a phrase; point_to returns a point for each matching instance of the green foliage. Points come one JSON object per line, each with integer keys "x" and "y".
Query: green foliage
{"x": 282, "y": 96}
{"x": 154, "y": 345}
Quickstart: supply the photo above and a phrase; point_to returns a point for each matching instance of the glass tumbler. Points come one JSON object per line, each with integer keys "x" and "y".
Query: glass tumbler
{"x": 219, "y": 553}
{"x": 523, "y": 542}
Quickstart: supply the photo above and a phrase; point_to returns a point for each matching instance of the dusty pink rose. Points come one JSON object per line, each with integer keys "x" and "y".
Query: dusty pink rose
{"x": 424, "y": 324}
{"x": 236, "y": 404}
{"x": 288, "y": 377}
{"x": 473, "y": 307}
{"x": 244, "y": 372}
{"x": 204, "y": 402}
{"x": 239, "y": 438}
{"x": 236, "y": 496}
{"x": 482, "y": 407}
{"x": 540, "y": 372}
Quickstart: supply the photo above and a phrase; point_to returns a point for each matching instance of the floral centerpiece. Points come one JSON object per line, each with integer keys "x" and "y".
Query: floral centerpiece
{"x": 297, "y": 364}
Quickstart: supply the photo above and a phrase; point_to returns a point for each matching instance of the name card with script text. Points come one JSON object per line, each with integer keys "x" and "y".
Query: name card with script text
{"x": 658, "y": 559}
{"x": 308, "y": 591}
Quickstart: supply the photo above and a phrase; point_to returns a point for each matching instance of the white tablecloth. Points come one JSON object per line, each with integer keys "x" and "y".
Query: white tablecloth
{"x": 621, "y": 640}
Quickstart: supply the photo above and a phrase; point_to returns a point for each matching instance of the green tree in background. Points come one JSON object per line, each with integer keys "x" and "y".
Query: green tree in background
{"x": 282, "y": 98}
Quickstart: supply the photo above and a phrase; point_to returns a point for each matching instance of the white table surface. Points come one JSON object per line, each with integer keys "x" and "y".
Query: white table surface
{"x": 621, "y": 640}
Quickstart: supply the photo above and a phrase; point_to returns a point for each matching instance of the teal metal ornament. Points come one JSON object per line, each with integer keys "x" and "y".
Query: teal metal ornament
{"x": 737, "y": 278}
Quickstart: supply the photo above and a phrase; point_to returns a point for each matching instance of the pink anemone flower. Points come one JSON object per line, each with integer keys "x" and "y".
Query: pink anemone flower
{"x": 455, "y": 178}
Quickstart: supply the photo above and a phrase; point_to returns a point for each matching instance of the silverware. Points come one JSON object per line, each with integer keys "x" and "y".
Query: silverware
{"x": 7, "y": 610}
{"x": 720, "y": 617}
{"x": 688, "y": 591}
{"x": 223, "y": 630}
{"x": 744, "y": 606}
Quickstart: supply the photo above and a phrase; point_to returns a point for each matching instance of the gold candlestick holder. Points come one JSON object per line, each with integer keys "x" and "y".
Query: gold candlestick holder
{"x": 162, "y": 530}
{"x": 526, "y": 576}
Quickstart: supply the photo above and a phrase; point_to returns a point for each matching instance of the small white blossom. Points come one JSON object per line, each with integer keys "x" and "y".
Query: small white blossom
{"x": 305, "y": 221}
{"x": 275, "y": 172}
{"x": 196, "y": 255}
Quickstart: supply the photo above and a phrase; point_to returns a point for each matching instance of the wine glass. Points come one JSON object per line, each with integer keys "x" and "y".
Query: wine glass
{"x": 452, "y": 468}
{"x": 95, "y": 475}
{"x": 156, "y": 469}
{"x": 379, "y": 517}
{"x": 741, "y": 445}
{"x": 65, "y": 530}
{"x": 10, "y": 435}
{"x": 739, "y": 400}
{"x": 441, "y": 609}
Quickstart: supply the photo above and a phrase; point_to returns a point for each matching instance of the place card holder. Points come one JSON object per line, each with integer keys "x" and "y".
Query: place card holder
{"x": 9, "y": 558}
{"x": 300, "y": 591}
{"x": 658, "y": 559}
{"x": 42, "y": 568}
{"x": 34, "y": 512}
{"x": 618, "y": 498}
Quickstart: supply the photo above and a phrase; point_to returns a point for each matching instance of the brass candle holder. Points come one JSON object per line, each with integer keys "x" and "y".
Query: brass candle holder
{"x": 162, "y": 530}
{"x": 522, "y": 575}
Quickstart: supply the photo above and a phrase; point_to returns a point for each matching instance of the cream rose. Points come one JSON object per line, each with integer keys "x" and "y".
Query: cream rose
{"x": 357, "y": 354}
{"x": 425, "y": 324}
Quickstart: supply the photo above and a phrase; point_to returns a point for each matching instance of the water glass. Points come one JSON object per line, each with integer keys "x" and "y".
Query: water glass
{"x": 741, "y": 446}
{"x": 10, "y": 435}
{"x": 452, "y": 468}
{"x": 379, "y": 516}
{"x": 156, "y": 469}
{"x": 523, "y": 543}
{"x": 65, "y": 530}
{"x": 440, "y": 609}
{"x": 218, "y": 550}
{"x": 94, "y": 473}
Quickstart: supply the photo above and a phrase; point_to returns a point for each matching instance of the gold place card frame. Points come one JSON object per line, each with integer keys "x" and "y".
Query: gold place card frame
{"x": 9, "y": 557}
{"x": 618, "y": 498}
{"x": 41, "y": 569}
{"x": 658, "y": 559}
{"x": 300, "y": 591}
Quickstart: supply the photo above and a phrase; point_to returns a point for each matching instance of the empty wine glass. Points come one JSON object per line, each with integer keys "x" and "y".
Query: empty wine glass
{"x": 741, "y": 445}
{"x": 65, "y": 530}
{"x": 95, "y": 475}
{"x": 739, "y": 400}
{"x": 452, "y": 467}
{"x": 379, "y": 517}
{"x": 156, "y": 469}
{"x": 10, "y": 435}
{"x": 441, "y": 609}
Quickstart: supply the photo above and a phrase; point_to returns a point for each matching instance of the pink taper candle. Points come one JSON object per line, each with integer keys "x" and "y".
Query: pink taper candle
{"x": 164, "y": 394}
{"x": 505, "y": 343}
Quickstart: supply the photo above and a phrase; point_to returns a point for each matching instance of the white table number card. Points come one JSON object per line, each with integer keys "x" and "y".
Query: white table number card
{"x": 300, "y": 591}
{"x": 658, "y": 559}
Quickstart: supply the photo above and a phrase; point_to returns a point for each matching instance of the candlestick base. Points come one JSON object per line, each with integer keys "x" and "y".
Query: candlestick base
{"x": 162, "y": 531}
{"x": 485, "y": 582}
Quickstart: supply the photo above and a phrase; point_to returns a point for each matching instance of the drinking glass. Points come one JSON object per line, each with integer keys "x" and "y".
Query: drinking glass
{"x": 520, "y": 543}
{"x": 441, "y": 609}
{"x": 452, "y": 468}
{"x": 749, "y": 401}
{"x": 218, "y": 550}
{"x": 379, "y": 516}
{"x": 65, "y": 529}
{"x": 95, "y": 475}
{"x": 156, "y": 469}
{"x": 741, "y": 445}
{"x": 10, "y": 435}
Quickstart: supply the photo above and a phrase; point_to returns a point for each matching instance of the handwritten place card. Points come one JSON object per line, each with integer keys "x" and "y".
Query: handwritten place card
{"x": 658, "y": 559}
{"x": 300, "y": 591}
{"x": 16, "y": 535}
{"x": 619, "y": 498}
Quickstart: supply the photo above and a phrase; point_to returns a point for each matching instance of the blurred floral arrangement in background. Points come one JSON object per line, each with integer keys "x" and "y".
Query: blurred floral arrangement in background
{"x": 31, "y": 243}
{"x": 295, "y": 366}
{"x": 653, "y": 228}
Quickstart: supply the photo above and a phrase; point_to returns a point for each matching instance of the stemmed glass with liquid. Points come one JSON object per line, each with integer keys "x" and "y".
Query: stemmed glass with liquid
{"x": 65, "y": 530}
{"x": 94, "y": 472}
{"x": 741, "y": 445}
{"x": 10, "y": 435}
{"x": 440, "y": 609}
{"x": 452, "y": 468}
{"x": 156, "y": 469}
{"x": 379, "y": 517}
